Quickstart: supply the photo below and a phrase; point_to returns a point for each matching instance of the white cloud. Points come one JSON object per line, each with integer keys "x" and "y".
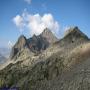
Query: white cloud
{"x": 19, "y": 21}
{"x": 28, "y": 1}
{"x": 36, "y": 23}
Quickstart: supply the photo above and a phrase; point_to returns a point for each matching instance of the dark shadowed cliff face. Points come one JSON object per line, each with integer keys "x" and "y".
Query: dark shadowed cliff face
{"x": 35, "y": 44}
{"x": 21, "y": 43}
{"x": 65, "y": 65}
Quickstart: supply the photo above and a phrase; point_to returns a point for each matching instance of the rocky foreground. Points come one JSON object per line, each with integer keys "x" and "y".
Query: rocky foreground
{"x": 46, "y": 63}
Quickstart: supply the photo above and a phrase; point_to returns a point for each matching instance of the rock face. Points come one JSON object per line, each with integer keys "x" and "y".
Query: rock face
{"x": 21, "y": 43}
{"x": 42, "y": 41}
{"x": 73, "y": 37}
{"x": 74, "y": 33}
{"x": 66, "y": 69}
{"x": 49, "y": 36}
{"x": 35, "y": 44}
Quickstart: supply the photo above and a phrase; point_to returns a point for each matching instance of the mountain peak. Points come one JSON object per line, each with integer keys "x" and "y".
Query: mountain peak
{"x": 35, "y": 43}
{"x": 46, "y": 30}
{"x": 49, "y": 35}
{"x": 21, "y": 43}
{"x": 75, "y": 32}
{"x": 34, "y": 37}
{"x": 21, "y": 37}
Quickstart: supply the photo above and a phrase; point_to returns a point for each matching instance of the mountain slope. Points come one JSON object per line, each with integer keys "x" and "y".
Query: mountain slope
{"x": 65, "y": 65}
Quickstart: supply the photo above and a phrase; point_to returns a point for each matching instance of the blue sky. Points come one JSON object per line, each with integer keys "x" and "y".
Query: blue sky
{"x": 65, "y": 12}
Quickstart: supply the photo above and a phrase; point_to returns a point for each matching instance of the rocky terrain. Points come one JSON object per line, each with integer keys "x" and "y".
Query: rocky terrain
{"x": 45, "y": 63}
{"x": 35, "y": 44}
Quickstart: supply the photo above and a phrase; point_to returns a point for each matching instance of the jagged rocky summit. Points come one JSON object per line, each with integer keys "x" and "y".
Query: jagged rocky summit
{"x": 35, "y": 44}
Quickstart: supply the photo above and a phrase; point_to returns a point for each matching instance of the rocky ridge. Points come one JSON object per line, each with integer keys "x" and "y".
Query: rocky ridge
{"x": 35, "y": 44}
{"x": 64, "y": 65}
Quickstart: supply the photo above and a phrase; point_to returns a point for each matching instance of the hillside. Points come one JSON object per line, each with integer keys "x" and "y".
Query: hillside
{"x": 63, "y": 65}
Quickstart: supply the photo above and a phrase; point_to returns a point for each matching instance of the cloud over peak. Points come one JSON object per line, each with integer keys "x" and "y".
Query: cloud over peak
{"x": 36, "y": 23}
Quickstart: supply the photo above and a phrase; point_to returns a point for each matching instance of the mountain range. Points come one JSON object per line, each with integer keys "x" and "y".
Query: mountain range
{"x": 35, "y": 44}
{"x": 44, "y": 62}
